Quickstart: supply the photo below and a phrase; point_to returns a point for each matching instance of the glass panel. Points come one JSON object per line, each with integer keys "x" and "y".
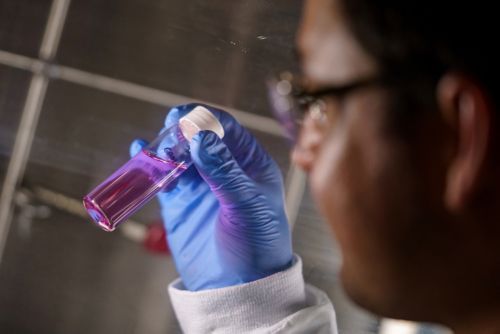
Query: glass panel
{"x": 13, "y": 88}
{"x": 65, "y": 277}
{"x": 22, "y": 23}
{"x": 219, "y": 51}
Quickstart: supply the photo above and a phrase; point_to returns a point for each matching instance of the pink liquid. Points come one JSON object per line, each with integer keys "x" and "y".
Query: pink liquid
{"x": 129, "y": 188}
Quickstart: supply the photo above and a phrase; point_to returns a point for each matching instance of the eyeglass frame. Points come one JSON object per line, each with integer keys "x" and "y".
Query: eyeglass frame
{"x": 300, "y": 102}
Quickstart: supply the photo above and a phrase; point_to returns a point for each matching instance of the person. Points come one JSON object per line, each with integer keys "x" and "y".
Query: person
{"x": 400, "y": 140}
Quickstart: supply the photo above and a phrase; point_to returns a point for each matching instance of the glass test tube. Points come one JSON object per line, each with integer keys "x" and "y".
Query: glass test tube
{"x": 148, "y": 172}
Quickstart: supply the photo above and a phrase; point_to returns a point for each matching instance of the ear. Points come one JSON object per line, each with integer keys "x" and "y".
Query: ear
{"x": 465, "y": 107}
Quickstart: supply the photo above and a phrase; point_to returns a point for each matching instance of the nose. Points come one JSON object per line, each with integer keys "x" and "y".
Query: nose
{"x": 308, "y": 145}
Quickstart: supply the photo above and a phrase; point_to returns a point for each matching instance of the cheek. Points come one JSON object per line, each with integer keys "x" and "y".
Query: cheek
{"x": 366, "y": 186}
{"x": 339, "y": 174}
{"x": 351, "y": 180}
{"x": 327, "y": 183}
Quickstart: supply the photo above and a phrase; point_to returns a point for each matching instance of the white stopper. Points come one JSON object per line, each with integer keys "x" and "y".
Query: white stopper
{"x": 199, "y": 119}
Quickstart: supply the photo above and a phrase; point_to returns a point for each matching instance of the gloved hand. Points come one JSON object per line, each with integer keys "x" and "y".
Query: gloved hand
{"x": 225, "y": 217}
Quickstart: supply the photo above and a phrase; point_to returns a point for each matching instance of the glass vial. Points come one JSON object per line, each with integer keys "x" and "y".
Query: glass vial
{"x": 148, "y": 172}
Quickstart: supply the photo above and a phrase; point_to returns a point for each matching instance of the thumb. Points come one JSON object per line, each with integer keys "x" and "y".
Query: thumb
{"x": 221, "y": 171}
{"x": 136, "y": 146}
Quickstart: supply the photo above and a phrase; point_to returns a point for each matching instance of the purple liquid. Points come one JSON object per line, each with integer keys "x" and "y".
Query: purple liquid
{"x": 130, "y": 187}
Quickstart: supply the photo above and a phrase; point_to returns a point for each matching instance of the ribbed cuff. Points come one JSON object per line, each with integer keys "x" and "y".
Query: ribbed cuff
{"x": 246, "y": 307}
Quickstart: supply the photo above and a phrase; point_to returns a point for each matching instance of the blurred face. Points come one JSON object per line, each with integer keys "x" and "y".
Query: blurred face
{"x": 362, "y": 175}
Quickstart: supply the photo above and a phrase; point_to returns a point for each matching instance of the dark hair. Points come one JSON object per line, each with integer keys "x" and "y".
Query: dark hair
{"x": 429, "y": 36}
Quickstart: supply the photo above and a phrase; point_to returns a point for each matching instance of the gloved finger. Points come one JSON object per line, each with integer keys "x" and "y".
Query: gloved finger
{"x": 239, "y": 140}
{"x": 221, "y": 171}
{"x": 247, "y": 151}
{"x": 136, "y": 146}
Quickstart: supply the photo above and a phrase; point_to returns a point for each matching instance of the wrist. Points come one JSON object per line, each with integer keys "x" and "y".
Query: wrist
{"x": 269, "y": 300}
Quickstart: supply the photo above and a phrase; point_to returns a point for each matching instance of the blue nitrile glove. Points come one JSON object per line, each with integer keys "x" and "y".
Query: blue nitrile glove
{"x": 225, "y": 217}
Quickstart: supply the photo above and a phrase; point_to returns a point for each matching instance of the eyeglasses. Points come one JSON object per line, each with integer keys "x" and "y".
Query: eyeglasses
{"x": 291, "y": 102}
